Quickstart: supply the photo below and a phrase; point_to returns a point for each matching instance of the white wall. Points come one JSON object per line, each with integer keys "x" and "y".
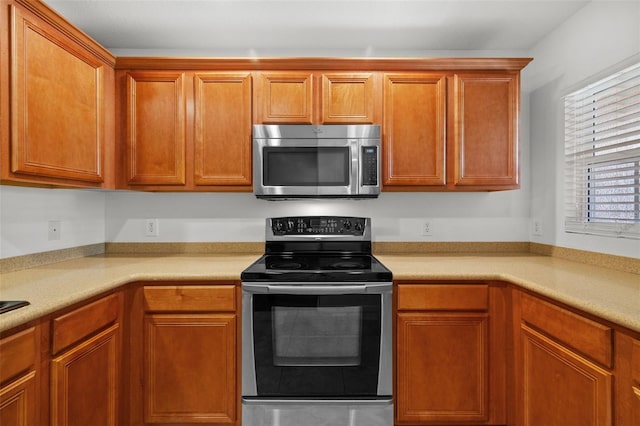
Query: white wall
{"x": 25, "y": 213}
{"x": 497, "y": 216}
{"x": 89, "y": 217}
{"x": 599, "y": 37}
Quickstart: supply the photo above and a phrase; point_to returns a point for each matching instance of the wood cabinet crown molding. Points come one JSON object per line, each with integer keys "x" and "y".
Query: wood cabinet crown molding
{"x": 53, "y": 18}
{"x": 323, "y": 63}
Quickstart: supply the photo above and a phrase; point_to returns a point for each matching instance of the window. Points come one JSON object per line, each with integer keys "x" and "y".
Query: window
{"x": 602, "y": 156}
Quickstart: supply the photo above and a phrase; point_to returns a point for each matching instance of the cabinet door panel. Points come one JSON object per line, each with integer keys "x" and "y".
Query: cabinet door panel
{"x": 190, "y": 368}
{"x": 562, "y": 388}
{"x": 486, "y": 130}
{"x": 18, "y": 402}
{"x": 223, "y": 129}
{"x": 287, "y": 97}
{"x": 414, "y": 127}
{"x": 348, "y": 98}
{"x": 442, "y": 367}
{"x": 155, "y": 137}
{"x": 84, "y": 382}
{"x": 57, "y": 111}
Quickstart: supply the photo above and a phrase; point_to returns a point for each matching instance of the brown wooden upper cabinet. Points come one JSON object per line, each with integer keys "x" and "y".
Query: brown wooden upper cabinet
{"x": 223, "y": 129}
{"x": 414, "y": 130}
{"x": 187, "y": 130}
{"x": 451, "y": 131}
{"x": 305, "y": 97}
{"x": 484, "y": 118}
{"x": 60, "y": 102}
{"x": 155, "y": 129}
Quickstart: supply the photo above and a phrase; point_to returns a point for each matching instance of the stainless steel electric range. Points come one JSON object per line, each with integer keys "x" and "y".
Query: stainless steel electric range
{"x": 317, "y": 333}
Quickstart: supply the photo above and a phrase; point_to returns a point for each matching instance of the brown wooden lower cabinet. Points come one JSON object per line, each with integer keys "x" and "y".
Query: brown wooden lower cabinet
{"x": 18, "y": 378}
{"x": 562, "y": 388}
{"x": 183, "y": 354}
{"x": 84, "y": 382}
{"x": 18, "y": 401}
{"x": 627, "y": 379}
{"x": 564, "y": 366}
{"x": 442, "y": 367}
{"x": 190, "y": 368}
{"x": 450, "y": 354}
{"x": 635, "y": 384}
{"x": 85, "y": 369}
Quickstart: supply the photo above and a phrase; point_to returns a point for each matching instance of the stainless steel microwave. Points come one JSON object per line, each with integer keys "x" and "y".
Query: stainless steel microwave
{"x": 309, "y": 161}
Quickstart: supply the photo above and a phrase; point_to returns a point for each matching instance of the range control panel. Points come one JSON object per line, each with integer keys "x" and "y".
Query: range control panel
{"x": 318, "y": 225}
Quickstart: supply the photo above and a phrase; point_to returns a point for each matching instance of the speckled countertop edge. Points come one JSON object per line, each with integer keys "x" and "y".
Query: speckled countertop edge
{"x": 609, "y": 294}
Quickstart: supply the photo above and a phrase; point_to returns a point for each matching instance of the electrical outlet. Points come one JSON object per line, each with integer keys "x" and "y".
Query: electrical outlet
{"x": 151, "y": 228}
{"x": 55, "y": 230}
{"x": 427, "y": 227}
{"x": 537, "y": 227}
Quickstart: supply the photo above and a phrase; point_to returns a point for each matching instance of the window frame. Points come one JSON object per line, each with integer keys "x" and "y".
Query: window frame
{"x": 602, "y": 155}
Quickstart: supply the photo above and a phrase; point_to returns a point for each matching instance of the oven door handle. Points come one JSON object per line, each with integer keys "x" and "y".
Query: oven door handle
{"x": 303, "y": 289}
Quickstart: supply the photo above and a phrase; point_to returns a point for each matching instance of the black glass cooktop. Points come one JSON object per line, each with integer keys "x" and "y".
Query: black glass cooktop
{"x": 317, "y": 249}
{"x": 316, "y": 267}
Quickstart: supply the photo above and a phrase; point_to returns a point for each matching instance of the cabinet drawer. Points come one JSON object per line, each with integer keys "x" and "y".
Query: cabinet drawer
{"x": 217, "y": 298}
{"x": 82, "y": 322}
{"x": 18, "y": 353}
{"x": 591, "y": 339}
{"x": 443, "y": 297}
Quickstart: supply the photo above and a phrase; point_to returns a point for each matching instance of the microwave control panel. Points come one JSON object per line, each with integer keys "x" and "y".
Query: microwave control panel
{"x": 369, "y": 165}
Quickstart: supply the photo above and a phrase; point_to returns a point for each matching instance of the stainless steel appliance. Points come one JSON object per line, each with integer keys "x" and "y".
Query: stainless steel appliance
{"x": 316, "y": 327}
{"x": 302, "y": 161}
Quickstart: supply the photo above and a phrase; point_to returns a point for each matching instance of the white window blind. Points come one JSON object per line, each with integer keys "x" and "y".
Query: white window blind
{"x": 602, "y": 156}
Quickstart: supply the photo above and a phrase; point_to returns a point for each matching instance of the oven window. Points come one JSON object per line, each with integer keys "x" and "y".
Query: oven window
{"x": 308, "y": 346}
{"x": 321, "y": 336}
{"x": 312, "y": 166}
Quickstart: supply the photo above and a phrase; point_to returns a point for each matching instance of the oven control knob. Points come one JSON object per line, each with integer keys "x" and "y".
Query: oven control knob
{"x": 359, "y": 226}
{"x": 347, "y": 225}
{"x": 277, "y": 225}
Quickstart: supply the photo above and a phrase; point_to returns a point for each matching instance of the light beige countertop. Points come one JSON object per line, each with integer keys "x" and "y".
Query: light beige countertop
{"x": 55, "y": 286}
{"x": 606, "y": 293}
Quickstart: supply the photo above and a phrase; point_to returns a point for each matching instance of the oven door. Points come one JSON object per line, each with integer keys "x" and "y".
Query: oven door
{"x": 317, "y": 341}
